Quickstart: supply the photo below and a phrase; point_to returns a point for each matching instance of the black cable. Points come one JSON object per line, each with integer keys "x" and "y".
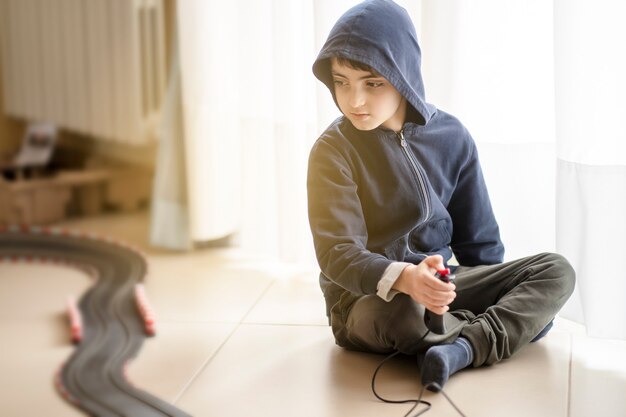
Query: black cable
{"x": 417, "y": 401}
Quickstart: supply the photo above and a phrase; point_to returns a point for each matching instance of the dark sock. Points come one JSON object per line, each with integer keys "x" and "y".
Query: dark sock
{"x": 543, "y": 332}
{"x": 441, "y": 361}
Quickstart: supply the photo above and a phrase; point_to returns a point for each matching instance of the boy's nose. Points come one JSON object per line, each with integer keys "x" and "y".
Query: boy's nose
{"x": 357, "y": 98}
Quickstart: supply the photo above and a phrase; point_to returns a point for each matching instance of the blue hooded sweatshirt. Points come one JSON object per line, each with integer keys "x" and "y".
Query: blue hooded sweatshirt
{"x": 378, "y": 197}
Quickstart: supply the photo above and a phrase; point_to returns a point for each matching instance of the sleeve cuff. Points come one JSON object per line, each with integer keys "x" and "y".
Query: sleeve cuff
{"x": 391, "y": 274}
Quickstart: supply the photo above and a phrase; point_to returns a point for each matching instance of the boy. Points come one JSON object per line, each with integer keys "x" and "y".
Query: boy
{"x": 395, "y": 189}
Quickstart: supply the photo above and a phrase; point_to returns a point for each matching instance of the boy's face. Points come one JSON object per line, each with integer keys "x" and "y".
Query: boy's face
{"x": 367, "y": 99}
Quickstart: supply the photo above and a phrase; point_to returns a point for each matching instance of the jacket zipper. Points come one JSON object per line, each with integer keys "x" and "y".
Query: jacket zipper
{"x": 420, "y": 178}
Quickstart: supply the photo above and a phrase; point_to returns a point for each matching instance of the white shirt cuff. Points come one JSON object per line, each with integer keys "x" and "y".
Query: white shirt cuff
{"x": 391, "y": 274}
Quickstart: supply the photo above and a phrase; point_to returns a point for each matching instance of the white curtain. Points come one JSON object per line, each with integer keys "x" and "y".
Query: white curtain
{"x": 250, "y": 117}
{"x": 170, "y": 224}
{"x": 590, "y": 60}
{"x": 539, "y": 84}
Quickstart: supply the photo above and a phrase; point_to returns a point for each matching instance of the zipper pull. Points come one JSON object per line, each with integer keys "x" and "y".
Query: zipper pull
{"x": 402, "y": 140}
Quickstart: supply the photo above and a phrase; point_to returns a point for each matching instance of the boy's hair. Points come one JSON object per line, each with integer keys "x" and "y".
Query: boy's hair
{"x": 351, "y": 63}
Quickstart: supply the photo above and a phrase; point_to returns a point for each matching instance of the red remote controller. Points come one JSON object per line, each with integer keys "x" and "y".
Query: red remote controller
{"x": 445, "y": 275}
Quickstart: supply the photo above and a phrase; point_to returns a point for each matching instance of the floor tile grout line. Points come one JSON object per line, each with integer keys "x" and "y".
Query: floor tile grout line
{"x": 204, "y": 365}
{"x": 260, "y": 323}
{"x": 256, "y": 302}
{"x": 195, "y": 376}
{"x": 236, "y": 322}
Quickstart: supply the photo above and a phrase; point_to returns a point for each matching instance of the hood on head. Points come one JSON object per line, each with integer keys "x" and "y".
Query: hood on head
{"x": 378, "y": 33}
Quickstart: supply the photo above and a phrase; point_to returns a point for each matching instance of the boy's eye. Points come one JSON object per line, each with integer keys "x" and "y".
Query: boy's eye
{"x": 339, "y": 83}
{"x": 374, "y": 84}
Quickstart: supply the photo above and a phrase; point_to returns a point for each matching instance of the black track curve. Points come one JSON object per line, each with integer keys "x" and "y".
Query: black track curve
{"x": 113, "y": 331}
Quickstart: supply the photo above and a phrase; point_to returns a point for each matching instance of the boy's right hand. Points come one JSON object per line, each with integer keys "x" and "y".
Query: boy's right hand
{"x": 420, "y": 283}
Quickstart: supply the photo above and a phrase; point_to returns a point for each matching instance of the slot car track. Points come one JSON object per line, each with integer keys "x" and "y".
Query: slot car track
{"x": 110, "y": 324}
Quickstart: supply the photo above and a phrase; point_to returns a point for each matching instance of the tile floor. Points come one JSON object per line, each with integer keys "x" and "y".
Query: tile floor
{"x": 237, "y": 339}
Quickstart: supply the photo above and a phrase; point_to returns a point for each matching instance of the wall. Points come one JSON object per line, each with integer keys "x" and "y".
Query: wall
{"x": 11, "y": 130}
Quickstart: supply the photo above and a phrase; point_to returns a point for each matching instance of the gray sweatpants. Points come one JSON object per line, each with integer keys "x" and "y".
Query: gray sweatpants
{"x": 498, "y": 308}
